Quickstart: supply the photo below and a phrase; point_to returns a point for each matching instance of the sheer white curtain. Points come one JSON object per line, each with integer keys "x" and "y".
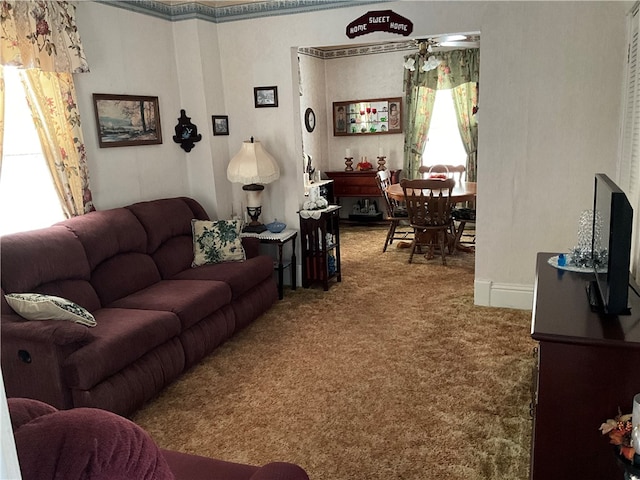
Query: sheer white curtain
{"x": 629, "y": 179}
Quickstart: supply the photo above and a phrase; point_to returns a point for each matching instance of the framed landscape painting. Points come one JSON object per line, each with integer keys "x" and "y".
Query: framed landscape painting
{"x": 127, "y": 120}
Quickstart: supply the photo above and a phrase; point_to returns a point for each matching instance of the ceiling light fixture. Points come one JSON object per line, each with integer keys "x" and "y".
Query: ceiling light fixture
{"x": 429, "y": 61}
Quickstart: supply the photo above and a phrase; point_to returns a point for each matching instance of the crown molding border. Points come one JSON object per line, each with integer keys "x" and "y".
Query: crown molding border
{"x": 244, "y": 11}
{"x": 359, "y": 50}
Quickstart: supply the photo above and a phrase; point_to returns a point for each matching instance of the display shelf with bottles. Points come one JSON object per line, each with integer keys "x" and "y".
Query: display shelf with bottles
{"x": 375, "y": 116}
{"x": 320, "y": 240}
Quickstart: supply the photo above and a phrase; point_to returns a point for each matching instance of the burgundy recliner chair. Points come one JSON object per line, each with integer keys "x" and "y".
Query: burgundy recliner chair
{"x": 94, "y": 444}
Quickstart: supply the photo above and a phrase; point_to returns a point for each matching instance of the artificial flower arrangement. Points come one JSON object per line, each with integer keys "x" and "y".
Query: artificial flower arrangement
{"x": 364, "y": 165}
{"x": 619, "y": 430}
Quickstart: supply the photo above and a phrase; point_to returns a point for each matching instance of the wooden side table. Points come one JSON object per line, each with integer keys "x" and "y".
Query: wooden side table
{"x": 280, "y": 239}
{"x": 320, "y": 242}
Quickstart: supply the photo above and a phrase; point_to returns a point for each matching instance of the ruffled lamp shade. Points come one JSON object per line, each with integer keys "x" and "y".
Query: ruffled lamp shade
{"x": 254, "y": 167}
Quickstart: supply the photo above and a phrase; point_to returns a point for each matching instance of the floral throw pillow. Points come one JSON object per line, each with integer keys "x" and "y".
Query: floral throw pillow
{"x": 36, "y": 306}
{"x": 215, "y": 242}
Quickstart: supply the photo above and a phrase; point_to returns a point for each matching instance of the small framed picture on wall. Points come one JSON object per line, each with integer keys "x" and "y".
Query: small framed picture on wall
{"x": 220, "y": 124}
{"x": 265, "y": 97}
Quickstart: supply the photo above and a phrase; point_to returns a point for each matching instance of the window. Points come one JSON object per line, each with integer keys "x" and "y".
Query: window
{"x": 444, "y": 145}
{"x": 629, "y": 175}
{"x": 27, "y": 196}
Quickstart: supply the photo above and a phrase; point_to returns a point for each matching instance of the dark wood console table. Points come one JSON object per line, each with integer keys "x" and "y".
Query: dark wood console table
{"x": 357, "y": 183}
{"x": 588, "y": 366}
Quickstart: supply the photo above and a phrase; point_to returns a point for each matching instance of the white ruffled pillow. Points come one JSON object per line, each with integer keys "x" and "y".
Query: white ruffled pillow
{"x": 36, "y": 306}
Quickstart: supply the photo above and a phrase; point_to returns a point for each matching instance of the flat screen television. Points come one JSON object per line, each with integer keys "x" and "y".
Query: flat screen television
{"x": 611, "y": 246}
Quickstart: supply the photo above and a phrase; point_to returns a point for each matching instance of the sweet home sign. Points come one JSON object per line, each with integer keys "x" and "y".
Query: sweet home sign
{"x": 380, "y": 21}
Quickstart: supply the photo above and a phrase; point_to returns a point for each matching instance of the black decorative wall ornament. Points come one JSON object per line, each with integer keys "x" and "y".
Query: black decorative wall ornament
{"x": 186, "y": 132}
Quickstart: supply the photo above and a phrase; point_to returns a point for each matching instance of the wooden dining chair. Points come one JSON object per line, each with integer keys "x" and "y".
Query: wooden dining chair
{"x": 429, "y": 207}
{"x": 396, "y": 213}
{"x": 465, "y": 218}
{"x": 464, "y": 215}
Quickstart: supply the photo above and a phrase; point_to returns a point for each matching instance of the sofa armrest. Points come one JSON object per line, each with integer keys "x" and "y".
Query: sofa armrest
{"x": 33, "y": 354}
{"x": 58, "y": 332}
{"x": 251, "y": 246}
{"x": 280, "y": 471}
{"x": 186, "y": 466}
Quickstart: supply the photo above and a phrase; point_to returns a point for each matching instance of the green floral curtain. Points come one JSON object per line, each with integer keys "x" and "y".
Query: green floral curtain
{"x": 418, "y": 110}
{"x": 42, "y": 38}
{"x": 457, "y": 68}
{"x": 465, "y": 100}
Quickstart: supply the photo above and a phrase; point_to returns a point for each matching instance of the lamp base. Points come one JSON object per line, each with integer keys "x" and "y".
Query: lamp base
{"x": 254, "y": 226}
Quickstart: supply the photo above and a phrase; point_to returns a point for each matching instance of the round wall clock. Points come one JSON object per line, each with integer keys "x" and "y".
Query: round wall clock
{"x": 309, "y": 120}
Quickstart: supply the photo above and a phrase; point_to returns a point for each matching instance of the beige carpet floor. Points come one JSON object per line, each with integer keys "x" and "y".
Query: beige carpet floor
{"x": 391, "y": 374}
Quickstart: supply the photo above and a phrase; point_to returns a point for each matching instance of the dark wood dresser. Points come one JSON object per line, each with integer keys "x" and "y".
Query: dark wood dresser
{"x": 588, "y": 366}
{"x": 357, "y": 183}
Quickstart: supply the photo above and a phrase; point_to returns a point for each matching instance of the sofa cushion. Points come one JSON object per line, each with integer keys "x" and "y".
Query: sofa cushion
{"x": 168, "y": 226}
{"x": 115, "y": 244}
{"x": 107, "y": 233}
{"x": 36, "y": 306}
{"x": 240, "y": 276}
{"x": 215, "y": 242}
{"x": 50, "y": 261}
{"x": 190, "y": 300}
{"x": 123, "y": 275}
{"x": 119, "y": 339}
{"x": 176, "y": 254}
{"x": 166, "y": 218}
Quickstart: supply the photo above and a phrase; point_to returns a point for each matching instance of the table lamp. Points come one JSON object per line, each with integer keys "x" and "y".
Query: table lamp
{"x": 253, "y": 166}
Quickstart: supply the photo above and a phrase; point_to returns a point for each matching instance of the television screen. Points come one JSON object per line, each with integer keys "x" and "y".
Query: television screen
{"x": 611, "y": 244}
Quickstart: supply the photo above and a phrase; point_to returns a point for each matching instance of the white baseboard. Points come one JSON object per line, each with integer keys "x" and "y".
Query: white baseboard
{"x": 490, "y": 294}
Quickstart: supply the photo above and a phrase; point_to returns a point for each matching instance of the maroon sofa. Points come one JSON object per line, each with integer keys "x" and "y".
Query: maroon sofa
{"x": 92, "y": 444}
{"x": 156, "y": 315}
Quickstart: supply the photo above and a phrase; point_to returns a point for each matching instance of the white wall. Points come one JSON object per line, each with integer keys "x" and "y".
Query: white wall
{"x": 313, "y": 94}
{"x": 201, "y": 96}
{"x": 551, "y": 77}
{"x": 130, "y": 53}
{"x": 550, "y": 113}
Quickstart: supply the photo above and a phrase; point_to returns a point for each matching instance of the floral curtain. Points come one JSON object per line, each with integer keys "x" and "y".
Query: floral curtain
{"x": 41, "y": 34}
{"x": 52, "y": 99}
{"x": 42, "y": 38}
{"x": 456, "y": 68}
{"x": 465, "y": 101}
{"x": 418, "y": 110}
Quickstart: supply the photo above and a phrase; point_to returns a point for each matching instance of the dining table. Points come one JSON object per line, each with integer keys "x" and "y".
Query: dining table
{"x": 461, "y": 192}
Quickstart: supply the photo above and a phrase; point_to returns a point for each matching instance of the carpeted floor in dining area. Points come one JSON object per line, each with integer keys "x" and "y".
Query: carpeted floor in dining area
{"x": 391, "y": 374}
